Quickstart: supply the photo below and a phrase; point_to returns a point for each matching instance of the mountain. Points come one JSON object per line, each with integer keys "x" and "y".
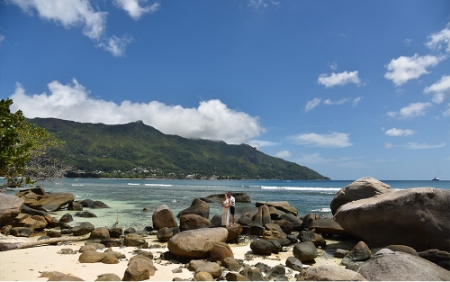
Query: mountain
{"x": 139, "y": 150}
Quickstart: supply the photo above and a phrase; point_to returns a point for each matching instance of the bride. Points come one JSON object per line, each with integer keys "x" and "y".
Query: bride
{"x": 225, "y": 211}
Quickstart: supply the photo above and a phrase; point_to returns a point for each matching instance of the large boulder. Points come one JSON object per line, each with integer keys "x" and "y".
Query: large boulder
{"x": 441, "y": 258}
{"x": 28, "y": 196}
{"x": 246, "y": 210}
{"x": 197, "y": 207}
{"x": 10, "y": 207}
{"x": 294, "y": 263}
{"x": 305, "y": 251}
{"x": 66, "y": 218}
{"x": 196, "y": 244}
{"x": 262, "y": 217}
{"x": 59, "y": 276}
{"x": 310, "y": 217}
{"x": 82, "y": 229}
{"x": 52, "y": 202}
{"x": 163, "y": 217}
{"x": 134, "y": 240}
{"x": 193, "y": 221}
{"x": 21, "y": 231}
{"x": 231, "y": 263}
{"x": 234, "y": 231}
{"x": 212, "y": 268}
{"x": 273, "y": 231}
{"x": 285, "y": 225}
{"x": 31, "y": 195}
{"x": 164, "y": 234}
{"x": 252, "y": 273}
{"x": 387, "y": 265}
{"x": 139, "y": 268}
{"x": 220, "y": 251}
{"x": 203, "y": 276}
{"x": 329, "y": 273}
{"x": 33, "y": 222}
{"x": 281, "y": 205}
{"x": 26, "y": 209}
{"x": 234, "y": 276}
{"x": 88, "y": 203}
{"x": 107, "y": 277}
{"x": 416, "y": 217}
{"x": 101, "y": 233}
{"x": 313, "y": 237}
{"x": 91, "y": 257}
{"x": 261, "y": 246}
{"x": 115, "y": 232}
{"x": 357, "y": 256}
{"x": 51, "y": 221}
{"x": 327, "y": 226}
{"x": 86, "y": 214}
{"x": 362, "y": 188}
{"x": 296, "y": 222}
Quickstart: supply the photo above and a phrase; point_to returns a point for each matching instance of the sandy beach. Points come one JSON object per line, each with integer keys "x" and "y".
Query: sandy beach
{"x": 28, "y": 264}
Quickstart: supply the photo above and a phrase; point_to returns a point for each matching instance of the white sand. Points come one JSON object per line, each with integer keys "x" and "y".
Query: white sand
{"x": 28, "y": 264}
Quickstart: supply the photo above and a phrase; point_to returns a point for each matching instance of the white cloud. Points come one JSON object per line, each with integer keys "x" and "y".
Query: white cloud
{"x": 399, "y": 132}
{"x": 257, "y": 4}
{"x": 332, "y": 140}
{"x": 283, "y": 154}
{"x": 440, "y": 39}
{"x": 356, "y": 101}
{"x": 312, "y": 104}
{"x": 333, "y": 66}
{"x": 211, "y": 120}
{"x": 339, "y": 162}
{"x": 441, "y": 89}
{"x": 134, "y": 8}
{"x": 408, "y": 41}
{"x": 411, "y": 111}
{"x": 2, "y": 37}
{"x": 402, "y": 69}
{"x": 69, "y": 13}
{"x": 342, "y": 78}
{"x": 447, "y": 111}
{"x": 421, "y": 146}
{"x": 262, "y": 143}
{"x": 416, "y": 146}
{"x": 315, "y": 158}
{"x": 77, "y": 13}
{"x": 339, "y": 102}
{"x": 383, "y": 160}
{"x": 388, "y": 145}
{"x": 115, "y": 45}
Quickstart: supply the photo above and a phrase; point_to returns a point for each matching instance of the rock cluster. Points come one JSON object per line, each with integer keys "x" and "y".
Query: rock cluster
{"x": 394, "y": 233}
{"x": 416, "y": 217}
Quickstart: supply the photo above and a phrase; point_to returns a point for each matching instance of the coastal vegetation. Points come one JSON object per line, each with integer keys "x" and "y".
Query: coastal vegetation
{"x": 136, "y": 150}
{"x": 25, "y": 149}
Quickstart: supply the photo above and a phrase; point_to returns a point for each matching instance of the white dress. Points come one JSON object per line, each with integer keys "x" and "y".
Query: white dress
{"x": 225, "y": 213}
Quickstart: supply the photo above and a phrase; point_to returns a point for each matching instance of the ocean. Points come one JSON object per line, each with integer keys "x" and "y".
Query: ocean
{"x": 128, "y": 197}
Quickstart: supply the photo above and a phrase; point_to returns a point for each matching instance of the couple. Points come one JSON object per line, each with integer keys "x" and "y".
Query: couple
{"x": 228, "y": 204}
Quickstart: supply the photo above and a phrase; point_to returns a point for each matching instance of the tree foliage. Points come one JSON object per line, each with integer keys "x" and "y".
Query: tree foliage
{"x": 24, "y": 149}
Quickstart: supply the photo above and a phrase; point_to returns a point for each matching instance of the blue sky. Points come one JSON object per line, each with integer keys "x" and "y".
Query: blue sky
{"x": 347, "y": 88}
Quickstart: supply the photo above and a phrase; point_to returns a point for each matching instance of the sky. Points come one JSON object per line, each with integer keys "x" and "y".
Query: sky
{"x": 347, "y": 88}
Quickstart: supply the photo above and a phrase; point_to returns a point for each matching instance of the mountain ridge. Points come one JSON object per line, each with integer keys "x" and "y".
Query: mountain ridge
{"x": 139, "y": 150}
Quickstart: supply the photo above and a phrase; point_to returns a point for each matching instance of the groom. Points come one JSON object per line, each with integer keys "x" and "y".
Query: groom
{"x": 232, "y": 208}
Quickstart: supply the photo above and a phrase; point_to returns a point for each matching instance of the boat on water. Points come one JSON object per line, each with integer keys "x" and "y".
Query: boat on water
{"x": 436, "y": 179}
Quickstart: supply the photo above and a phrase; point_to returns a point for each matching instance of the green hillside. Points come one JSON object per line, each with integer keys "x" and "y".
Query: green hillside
{"x": 139, "y": 150}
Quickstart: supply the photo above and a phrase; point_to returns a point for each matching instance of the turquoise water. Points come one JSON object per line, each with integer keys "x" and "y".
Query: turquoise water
{"x": 128, "y": 197}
